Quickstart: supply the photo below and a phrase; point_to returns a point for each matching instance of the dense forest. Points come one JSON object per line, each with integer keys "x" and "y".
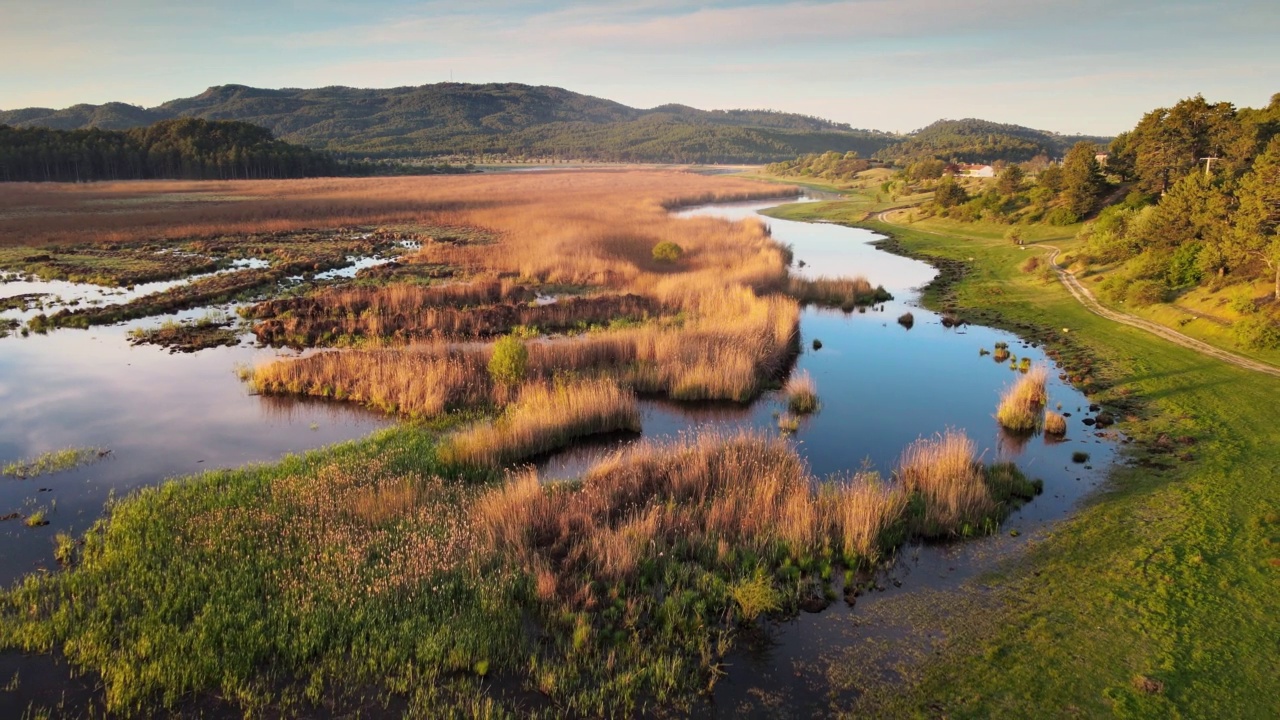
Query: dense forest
{"x": 979, "y": 141}
{"x": 509, "y": 120}
{"x": 189, "y": 149}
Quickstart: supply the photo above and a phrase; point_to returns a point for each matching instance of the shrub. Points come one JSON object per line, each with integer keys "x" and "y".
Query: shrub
{"x": 667, "y": 251}
{"x": 1144, "y": 292}
{"x": 1054, "y": 424}
{"x": 1257, "y": 332}
{"x": 1032, "y": 264}
{"x": 1061, "y": 216}
{"x": 509, "y": 361}
{"x": 1244, "y": 304}
{"x": 1014, "y": 235}
{"x": 907, "y": 320}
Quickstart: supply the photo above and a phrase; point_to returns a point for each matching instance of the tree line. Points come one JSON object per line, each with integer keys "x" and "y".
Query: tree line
{"x": 185, "y": 148}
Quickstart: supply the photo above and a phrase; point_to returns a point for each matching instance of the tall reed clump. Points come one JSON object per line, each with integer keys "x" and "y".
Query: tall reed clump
{"x": 802, "y": 393}
{"x": 1021, "y": 404}
{"x": 715, "y": 499}
{"x": 945, "y": 474}
{"x": 545, "y": 417}
{"x": 862, "y": 512}
{"x": 1054, "y": 424}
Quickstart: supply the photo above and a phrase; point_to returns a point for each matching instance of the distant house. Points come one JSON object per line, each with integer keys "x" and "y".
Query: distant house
{"x": 1101, "y": 158}
{"x": 981, "y": 171}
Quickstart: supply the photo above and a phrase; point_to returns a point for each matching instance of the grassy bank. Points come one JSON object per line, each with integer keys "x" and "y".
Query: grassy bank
{"x": 1159, "y": 598}
{"x": 379, "y": 575}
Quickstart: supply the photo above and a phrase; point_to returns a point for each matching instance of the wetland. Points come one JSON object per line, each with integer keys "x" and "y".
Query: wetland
{"x": 626, "y": 512}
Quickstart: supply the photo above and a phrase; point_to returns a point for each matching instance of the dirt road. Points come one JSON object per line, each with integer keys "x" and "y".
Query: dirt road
{"x": 1086, "y": 298}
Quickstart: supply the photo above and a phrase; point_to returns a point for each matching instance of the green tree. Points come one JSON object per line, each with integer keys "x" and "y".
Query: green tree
{"x": 1082, "y": 180}
{"x": 1010, "y": 180}
{"x": 1257, "y": 231}
{"x": 949, "y": 193}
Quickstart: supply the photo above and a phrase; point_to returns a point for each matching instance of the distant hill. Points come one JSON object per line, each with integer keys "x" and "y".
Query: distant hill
{"x": 972, "y": 140}
{"x": 501, "y": 119}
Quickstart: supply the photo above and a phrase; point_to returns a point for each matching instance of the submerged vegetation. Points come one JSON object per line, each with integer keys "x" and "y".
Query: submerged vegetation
{"x": 53, "y": 461}
{"x": 212, "y": 330}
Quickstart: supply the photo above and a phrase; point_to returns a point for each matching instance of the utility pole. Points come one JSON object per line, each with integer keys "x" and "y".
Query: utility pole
{"x": 1208, "y": 164}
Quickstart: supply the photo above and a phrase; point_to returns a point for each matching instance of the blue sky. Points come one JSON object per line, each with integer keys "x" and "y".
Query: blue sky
{"x": 1090, "y": 66}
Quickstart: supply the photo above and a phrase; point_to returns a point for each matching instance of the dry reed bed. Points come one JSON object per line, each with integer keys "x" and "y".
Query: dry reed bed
{"x": 715, "y": 499}
{"x": 37, "y": 213}
{"x": 363, "y": 314}
{"x": 695, "y": 362}
{"x": 543, "y": 418}
{"x": 843, "y": 293}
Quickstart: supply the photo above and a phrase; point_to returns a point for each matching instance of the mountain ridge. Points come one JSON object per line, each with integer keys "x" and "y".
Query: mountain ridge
{"x": 494, "y": 119}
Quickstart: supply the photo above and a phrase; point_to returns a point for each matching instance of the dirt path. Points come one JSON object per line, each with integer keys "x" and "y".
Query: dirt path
{"x": 1086, "y": 298}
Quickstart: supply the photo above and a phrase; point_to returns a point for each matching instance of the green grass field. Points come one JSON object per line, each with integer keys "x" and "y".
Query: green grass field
{"x": 1161, "y": 596}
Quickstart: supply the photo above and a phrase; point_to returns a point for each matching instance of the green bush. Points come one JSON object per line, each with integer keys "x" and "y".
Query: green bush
{"x": 1258, "y": 331}
{"x": 1244, "y": 304}
{"x": 1144, "y": 292}
{"x": 667, "y": 251}
{"x": 509, "y": 361}
{"x": 1183, "y": 268}
{"x": 1061, "y": 216}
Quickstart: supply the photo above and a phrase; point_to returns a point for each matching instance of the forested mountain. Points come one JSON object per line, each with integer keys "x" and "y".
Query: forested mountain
{"x": 187, "y": 148}
{"x": 972, "y": 141}
{"x": 506, "y": 119}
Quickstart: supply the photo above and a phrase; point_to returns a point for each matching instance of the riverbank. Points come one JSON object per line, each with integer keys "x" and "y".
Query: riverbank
{"x": 1159, "y": 597}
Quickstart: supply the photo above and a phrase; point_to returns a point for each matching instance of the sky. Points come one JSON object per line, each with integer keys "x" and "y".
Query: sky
{"x": 1077, "y": 66}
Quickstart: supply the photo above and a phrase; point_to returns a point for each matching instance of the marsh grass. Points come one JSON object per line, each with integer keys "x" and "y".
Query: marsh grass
{"x": 1054, "y": 424}
{"x": 1022, "y": 404}
{"x": 802, "y": 393}
{"x": 843, "y": 293}
{"x": 54, "y": 461}
{"x": 945, "y": 474}
{"x": 545, "y": 417}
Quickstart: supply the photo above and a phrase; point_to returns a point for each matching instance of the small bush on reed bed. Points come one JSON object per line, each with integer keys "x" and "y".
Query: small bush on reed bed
{"x": 1054, "y": 424}
{"x": 802, "y": 393}
{"x": 667, "y": 251}
{"x": 1021, "y": 405}
{"x": 907, "y": 320}
{"x": 509, "y": 362}
{"x": 543, "y": 418}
